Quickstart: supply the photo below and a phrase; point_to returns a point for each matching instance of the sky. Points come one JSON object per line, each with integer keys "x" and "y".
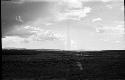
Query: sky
{"x": 63, "y": 24}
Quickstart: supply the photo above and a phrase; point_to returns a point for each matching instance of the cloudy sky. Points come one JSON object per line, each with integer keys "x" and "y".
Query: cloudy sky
{"x": 63, "y": 24}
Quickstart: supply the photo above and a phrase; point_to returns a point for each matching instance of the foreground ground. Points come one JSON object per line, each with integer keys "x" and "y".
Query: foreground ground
{"x": 62, "y": 65}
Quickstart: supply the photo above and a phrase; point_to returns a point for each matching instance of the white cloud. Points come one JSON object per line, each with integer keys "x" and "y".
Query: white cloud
{"x": 71, "y": 9}
{"x": 48, "y": 24}
{"x": 12, "y": 38}
{"x": 119, "y": 29}
{"x": 74, "y": 14}
{"x": 42, "y": 34}
{"x": 109, "y": 6}
{"x": 106, "y": 0}
{"x": 39, "y": 36}
{"x": 36, "y": 34}
{"x": 12, "y": 41}
{"x": 112, "y": 0}
{"x": 96, "y": 19}
{"x": 72, "y": 3}
{"x": 32, "y": 29}
{"x": 46, "y": 36}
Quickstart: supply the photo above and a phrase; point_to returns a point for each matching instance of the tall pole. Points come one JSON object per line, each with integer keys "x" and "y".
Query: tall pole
{"x": 68, "y": 41}
{"x": 124, "y": 31}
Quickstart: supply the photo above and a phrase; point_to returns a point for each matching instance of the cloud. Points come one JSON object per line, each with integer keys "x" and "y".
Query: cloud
{"x": 71, "y": 10}
{"x": 46, "y": 36}
{"x": 73, "y": 1}
{"x": 32, "y": 33}
{"x": 13, "y": 14}
{"x": 40, "y": 38}
{"x": 12, "y": 41}
{"x": 74, "y": 14}
{"x": 43, "y": 35}
{"x": 35, "y": 40}
{"x": 119, "y": 29}
{"x": 109, "y": 6}
{"x": 106, "y": 0}
{"x": 23, "y": 1}
{"x": 67, "y": 9}
{"x": 19, "y": 42}
{"x": 96, "y": 19}
{"x": 112, "y": 0}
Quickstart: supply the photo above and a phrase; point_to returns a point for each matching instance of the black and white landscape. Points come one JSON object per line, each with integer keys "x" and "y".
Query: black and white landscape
{"x": 63, "y": 39}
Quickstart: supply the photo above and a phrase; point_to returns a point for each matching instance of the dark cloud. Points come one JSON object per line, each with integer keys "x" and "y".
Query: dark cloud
{"x": 28, "y": 12}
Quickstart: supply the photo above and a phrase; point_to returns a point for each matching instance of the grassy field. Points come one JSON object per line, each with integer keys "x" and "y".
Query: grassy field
{"x": 62, "y": 65}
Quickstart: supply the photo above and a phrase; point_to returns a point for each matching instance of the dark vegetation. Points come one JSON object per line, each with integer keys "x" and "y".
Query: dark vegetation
{"x": 62, "y": 65}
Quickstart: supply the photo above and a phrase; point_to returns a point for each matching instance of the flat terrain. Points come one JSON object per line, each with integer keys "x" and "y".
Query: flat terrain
{"x": 62, "y": 65}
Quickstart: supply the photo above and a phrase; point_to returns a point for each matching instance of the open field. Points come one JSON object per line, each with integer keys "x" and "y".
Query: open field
{"x": 62, "y": 65}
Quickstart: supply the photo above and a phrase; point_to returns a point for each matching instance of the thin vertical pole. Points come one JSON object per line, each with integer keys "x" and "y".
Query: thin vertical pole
{"x": 68, "y": 41}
